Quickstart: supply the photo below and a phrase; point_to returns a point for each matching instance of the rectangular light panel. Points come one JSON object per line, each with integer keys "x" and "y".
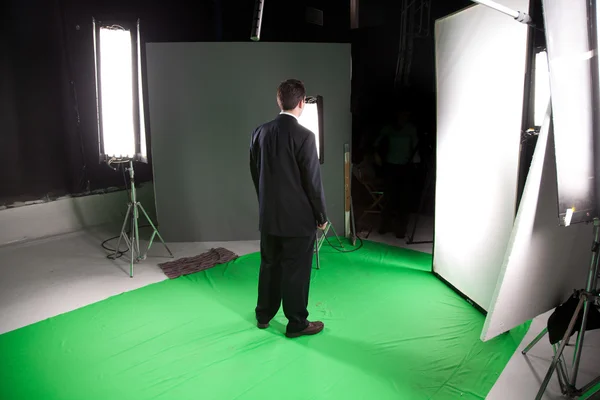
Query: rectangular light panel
{"x": 116, "y": 90}
{"x": 481, "y": 60}
{"x": 142, "y": 113}
{"x": 571, "y": 53}
{"x": 310, "y": 120}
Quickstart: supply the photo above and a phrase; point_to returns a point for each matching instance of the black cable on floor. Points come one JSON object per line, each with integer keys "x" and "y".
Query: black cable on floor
{"x": 345, "y": 251}
{"x": 119, "y": 253}
{"x": 112, "y": 255}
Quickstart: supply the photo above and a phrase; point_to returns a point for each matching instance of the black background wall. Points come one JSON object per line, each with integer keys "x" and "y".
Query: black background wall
{"x": 48, "y": 136}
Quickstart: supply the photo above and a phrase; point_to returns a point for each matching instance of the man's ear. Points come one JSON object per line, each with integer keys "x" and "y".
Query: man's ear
{"x": 301, "y": 104}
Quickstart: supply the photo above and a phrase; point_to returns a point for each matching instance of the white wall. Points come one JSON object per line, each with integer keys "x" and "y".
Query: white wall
{"x": 35, "y": 221}
{"x": 481, "y": 58}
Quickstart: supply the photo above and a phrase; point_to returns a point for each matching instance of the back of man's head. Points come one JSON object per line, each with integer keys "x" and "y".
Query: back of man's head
{"x": 290, "y": 93}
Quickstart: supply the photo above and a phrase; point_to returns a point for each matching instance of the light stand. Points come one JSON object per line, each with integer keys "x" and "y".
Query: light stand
{"x": 133, "y": 242}
{"x": 320, "y": 240}
{"x": 587, "y": 299}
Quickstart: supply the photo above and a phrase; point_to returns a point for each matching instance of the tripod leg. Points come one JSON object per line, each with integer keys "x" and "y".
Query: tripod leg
{"x": 561, "y": 349}
{"x": 580, "y": 337}
{"x": 410, "y": 238}
{"x": 136, "y": 215}
{"x": 535, "y": 341}
{"x": 154, "y": 233}
{"x": 317, "y": 252}
{"x": 336, "y": 235}
{"x": 123, "y": 231}
{"x": 563, "y": 377}
{"x": 132, "y": 241}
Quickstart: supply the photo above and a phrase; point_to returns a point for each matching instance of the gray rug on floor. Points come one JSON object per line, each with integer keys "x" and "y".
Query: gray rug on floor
{"x": 204, "y": 261}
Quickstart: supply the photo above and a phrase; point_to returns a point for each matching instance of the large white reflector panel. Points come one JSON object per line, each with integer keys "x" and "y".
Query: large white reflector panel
{"x": 544, "y": 262}
{"x": 481, "y": 60}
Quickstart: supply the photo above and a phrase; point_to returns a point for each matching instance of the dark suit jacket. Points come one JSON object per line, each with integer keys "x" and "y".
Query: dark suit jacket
{"x": 287, "y": 177}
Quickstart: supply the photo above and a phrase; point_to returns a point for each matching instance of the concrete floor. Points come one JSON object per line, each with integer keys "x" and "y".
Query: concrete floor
{"x": 45, "y": 278}
{"x": 42, "y": 279}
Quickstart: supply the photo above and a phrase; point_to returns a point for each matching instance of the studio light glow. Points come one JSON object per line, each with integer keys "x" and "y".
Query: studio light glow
{"x": 142, "y": 114}
{"x": 116, "y": 77}
{"x": 542, "y": 87}
{"x": 312, "y": 119}
{"x": 571, "y": 66}
{"x": 119, "y": 91}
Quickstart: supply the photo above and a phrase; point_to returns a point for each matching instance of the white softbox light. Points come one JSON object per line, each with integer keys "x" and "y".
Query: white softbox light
{"x": 119, "y": 91}
{"x": 573, "y": 65}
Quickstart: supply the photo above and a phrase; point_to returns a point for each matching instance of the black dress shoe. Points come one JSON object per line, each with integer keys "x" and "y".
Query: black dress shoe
{"x": 312, "y": 329}
{"x": 262, "y": 326}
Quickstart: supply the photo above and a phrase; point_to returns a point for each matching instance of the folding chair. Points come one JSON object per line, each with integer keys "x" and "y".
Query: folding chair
{"x": 373, "y": 186}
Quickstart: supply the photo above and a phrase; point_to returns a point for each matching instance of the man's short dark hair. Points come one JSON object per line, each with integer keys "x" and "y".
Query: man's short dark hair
{"x": 290, "y": 93}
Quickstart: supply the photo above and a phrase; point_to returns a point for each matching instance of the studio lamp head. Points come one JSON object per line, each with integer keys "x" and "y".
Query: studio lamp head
{"x": 119, "y": 91}
{"x": 312, "y": 119}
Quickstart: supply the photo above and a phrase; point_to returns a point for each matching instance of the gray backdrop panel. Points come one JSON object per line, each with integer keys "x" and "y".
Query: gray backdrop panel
{"x": 205, "y": 101}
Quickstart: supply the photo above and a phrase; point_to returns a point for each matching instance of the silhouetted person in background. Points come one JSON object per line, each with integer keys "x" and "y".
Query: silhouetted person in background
{"x": 396, "y": 149}
{"x": 287, "y": 177}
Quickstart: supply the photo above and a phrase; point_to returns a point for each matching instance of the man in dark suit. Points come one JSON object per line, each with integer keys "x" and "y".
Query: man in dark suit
{"x": 287, "y": 177}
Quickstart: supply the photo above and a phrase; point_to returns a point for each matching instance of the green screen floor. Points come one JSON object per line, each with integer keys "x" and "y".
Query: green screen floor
{"x": 393, "y": 331}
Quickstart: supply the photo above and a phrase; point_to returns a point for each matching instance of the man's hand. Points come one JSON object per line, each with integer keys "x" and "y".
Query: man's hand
{"x": 322, "y": 227}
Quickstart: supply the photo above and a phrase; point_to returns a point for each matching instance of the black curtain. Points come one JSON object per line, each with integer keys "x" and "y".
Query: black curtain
{"x": 48, "y": 125}
{"x": 35, "y": 156}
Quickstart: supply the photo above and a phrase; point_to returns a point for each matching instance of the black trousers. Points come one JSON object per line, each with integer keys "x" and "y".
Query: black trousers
{"x": 285, "y": 269}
